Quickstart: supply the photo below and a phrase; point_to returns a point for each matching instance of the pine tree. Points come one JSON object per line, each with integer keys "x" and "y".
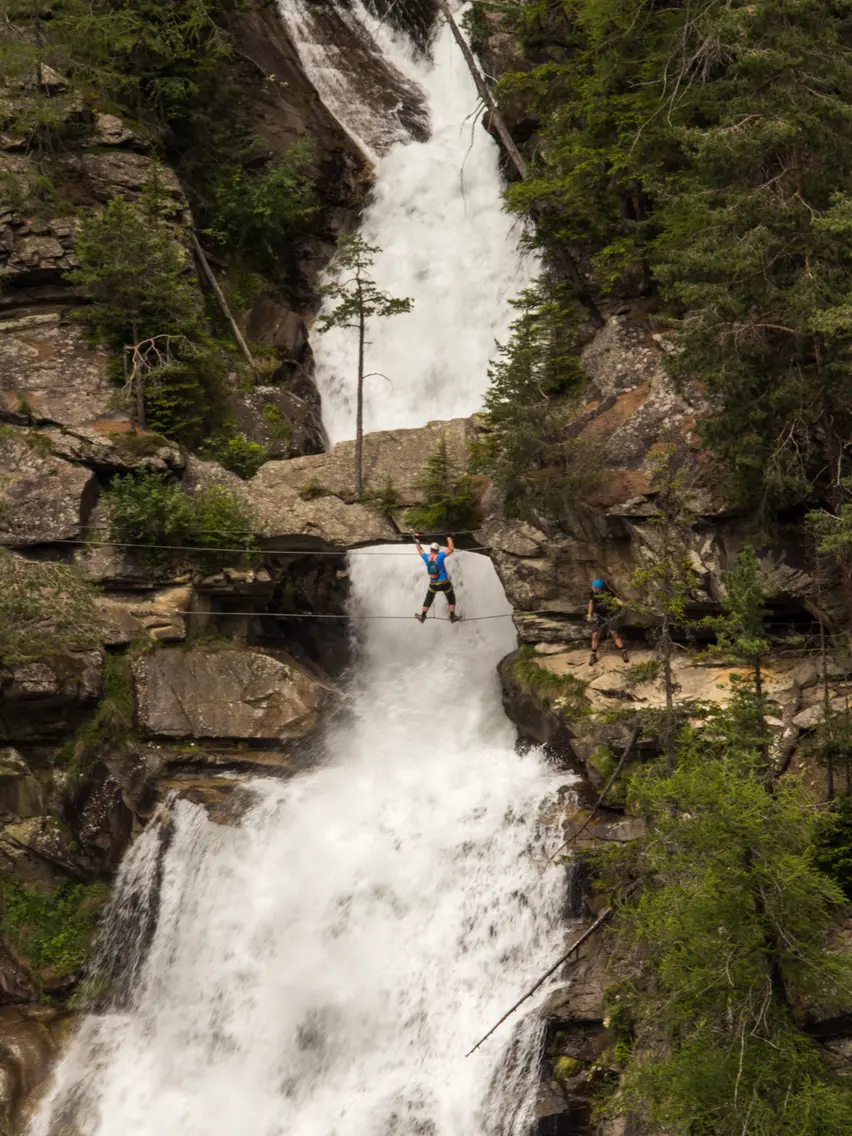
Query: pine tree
{"x": 727, "y": 933}
{"x": 360, "y": 300}
{"x": 663, "y": 587}
{"x": 527, "y": 448}
{"x": 741, "y": 634}
{"x": 450, "y": 500}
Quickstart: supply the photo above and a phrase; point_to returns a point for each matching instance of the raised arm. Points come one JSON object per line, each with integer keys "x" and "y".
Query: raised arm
{"x": 450, "y": 546}
{"x": 417, "y": 544}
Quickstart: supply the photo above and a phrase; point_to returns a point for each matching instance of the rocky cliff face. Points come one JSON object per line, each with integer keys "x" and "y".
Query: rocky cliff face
{"x": 196, "y": 677}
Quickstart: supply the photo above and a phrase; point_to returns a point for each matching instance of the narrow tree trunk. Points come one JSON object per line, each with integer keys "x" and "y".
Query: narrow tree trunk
{"x": 566, "y": 261}
{"x": 359, "y": 413}
{"x": 761, "y": 716}
{"x": 667, "y": 677}
{"x": 484, "y": 93}
{"x": 223, "y": 303}
{"x": 139, "y": 389}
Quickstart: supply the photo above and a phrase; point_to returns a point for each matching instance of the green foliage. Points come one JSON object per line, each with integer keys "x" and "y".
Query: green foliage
{"x": 450, "y": 499}
{"x": 358, "y": 297}
{"x": 137, "y": 274}
{"x": 833, "y": 531}
{"x": 46, "y": 609}
{"x": 730, "y": 927}
{"x": 53, "y": 932}
{"x": 236, "y": 452}
{"x": 111, "y": 725}
{"x": 170, "y": 67}
{"x": 313, "y": 490}
{"x": 254, "y": 212}
{"x": 277, "y": 424}
{"x": 740, "y": 629}
{"x": 134, "y": 268}
{"x": 567, "y": 693}
{"x": 382, "y": 501}
{"x": 705, "y": 154}
{"x": 527, "y": 449}
{"x": 210, "y": 528}
{"x": 833, "y": 843}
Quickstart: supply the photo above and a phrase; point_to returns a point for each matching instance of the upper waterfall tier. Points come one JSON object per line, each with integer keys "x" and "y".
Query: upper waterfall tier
{"x": 437, "y": 216}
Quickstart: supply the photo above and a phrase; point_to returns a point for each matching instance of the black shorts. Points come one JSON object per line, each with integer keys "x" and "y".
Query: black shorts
{"x": 445, "y": 587}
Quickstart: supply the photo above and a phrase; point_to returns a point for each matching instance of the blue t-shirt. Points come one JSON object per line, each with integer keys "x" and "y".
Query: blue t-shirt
{"x": 435, "y": 568}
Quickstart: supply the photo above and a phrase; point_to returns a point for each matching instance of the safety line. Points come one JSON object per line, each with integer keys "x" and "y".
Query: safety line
{"x": 353, "y": 618}
{"x": 244, "y": 551}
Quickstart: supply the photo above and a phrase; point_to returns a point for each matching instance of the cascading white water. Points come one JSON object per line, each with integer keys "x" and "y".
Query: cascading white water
{"x": 325, "y": 966}
{"x": 436, "y": 214}
{"x": 322, "y": 968}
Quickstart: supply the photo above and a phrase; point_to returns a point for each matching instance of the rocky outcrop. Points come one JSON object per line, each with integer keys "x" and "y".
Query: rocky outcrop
{"x": 226, "y": 693}
{"x": 44, "y": 701}
{"x": 42, "y": 497}
{"x": 395, "y": 457}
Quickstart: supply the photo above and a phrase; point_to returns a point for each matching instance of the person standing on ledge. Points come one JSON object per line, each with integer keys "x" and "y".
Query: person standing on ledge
{"x": 603, "y": 608}
{"x": 439, "y": 581}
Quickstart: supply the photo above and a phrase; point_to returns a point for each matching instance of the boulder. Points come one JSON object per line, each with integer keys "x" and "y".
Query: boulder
{"x": 157, "y": 615}
{"x": 308, "y": 517}
{"x": 44, "y": 701}
{"x": 16, "y": 983}
{"x": 227, "y": 693}
{"x": 118, "y": 451}
{"x": 49, "y": 373}
{"x": 42, "y": 497}
{"x": 39, "y": 852}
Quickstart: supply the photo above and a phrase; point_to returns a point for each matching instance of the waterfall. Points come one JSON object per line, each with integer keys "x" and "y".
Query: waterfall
{"x": 322, "y": 967}
{"x": 437, "y": 216}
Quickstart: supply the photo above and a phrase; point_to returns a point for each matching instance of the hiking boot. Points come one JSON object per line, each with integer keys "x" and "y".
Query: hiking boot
{"x": 454, "y": 618}
{"x": 593, "y": 658}
{"x": 624, "y": 655}
{"x": 420, "y": 616}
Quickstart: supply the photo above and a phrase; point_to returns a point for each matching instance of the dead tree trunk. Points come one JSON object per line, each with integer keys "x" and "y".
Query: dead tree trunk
{"x": 223, "y": 303}
{"x": 565, "y": 261}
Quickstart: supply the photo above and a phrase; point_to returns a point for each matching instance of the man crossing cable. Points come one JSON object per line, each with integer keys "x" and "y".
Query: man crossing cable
{"x": 439, "y": 581}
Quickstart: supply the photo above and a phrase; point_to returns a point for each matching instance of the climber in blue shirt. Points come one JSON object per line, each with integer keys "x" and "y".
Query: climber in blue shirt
{"x": 439, "y": 581}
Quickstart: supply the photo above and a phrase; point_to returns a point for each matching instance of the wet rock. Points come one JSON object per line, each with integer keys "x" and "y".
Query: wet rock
{"x": 39, "y": 852}
{"x": 227, "y": 693}
{"x": 16, "y": 984}
{"x": 42, "y": 497}
{"x": 30, "y": 1040}
{"x": 537, "y": 720}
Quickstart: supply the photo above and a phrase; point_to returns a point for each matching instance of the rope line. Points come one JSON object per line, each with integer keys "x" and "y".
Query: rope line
{"x": 354, "y": 618}
{"x": 244, "y": 551}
